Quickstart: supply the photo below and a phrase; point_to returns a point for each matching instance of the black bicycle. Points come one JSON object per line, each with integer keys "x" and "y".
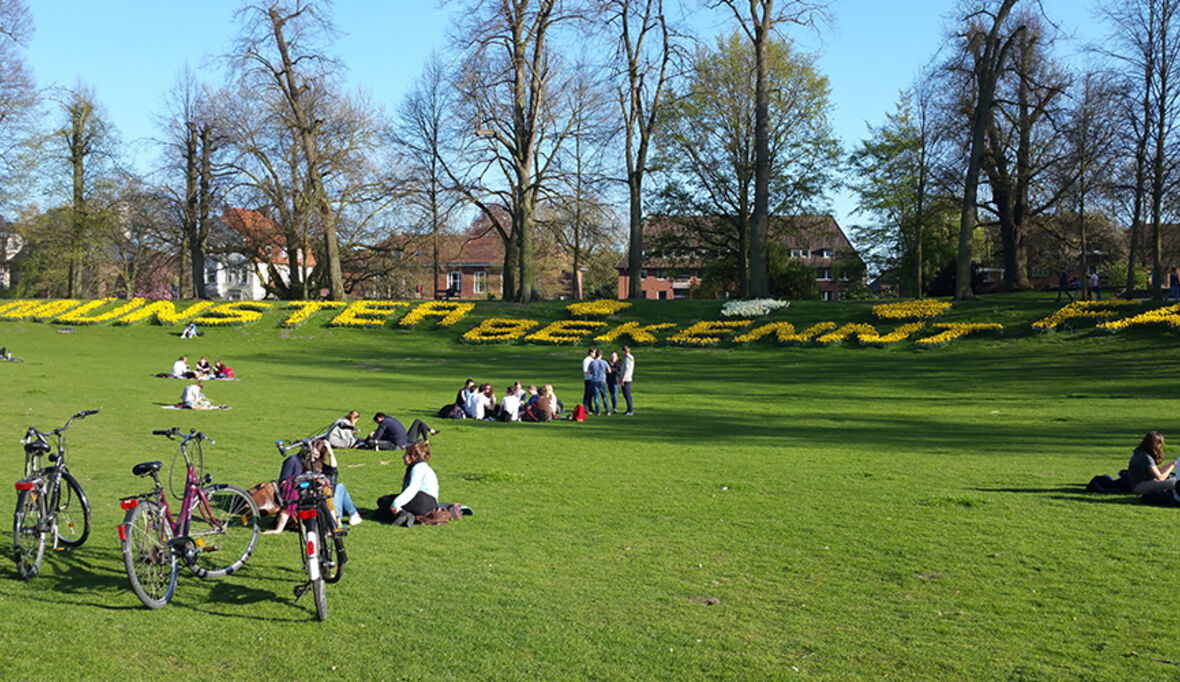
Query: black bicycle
{"x": 321, "y": 546}
{"x": 50, "y": 502}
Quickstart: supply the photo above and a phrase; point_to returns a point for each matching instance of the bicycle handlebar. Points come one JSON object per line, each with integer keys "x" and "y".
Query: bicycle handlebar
{"x": 33, "y": 432}
{"x": 191, "y": 435}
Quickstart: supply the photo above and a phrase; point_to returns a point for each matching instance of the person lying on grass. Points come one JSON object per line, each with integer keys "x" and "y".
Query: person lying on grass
{"x": 391, "y": 435}
{"x": 1144, "y": 470}
{"x": 321, "y": 458}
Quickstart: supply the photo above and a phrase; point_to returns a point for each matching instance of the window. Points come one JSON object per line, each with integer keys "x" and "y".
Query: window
{"x": 824, "y": 253}
{"x": 211, "y": 273}
{"x": 661, "y": 274}
{"x": 800, "y": 253}
{"x": 643, "y": 274}
{"x": 455, "y": 281}
{"x": 823, "y": 274}
{"x": 479, "y": 283}
{"x": 829, "y": 295}
{"x": 663, "y": 295}
{"x": 680, "y": 293}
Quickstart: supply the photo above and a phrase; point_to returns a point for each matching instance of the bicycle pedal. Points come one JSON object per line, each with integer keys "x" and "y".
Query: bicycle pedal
{"x": 340, "y": 533}
{"x": 301, "y": 590}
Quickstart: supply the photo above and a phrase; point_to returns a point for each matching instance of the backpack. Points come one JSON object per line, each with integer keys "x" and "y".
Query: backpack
{"x": 451, "y": 411}
{"x": 579, "y": 413}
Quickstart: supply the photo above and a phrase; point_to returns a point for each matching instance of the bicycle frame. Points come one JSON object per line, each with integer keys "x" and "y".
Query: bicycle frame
{"x": 193, "y": 494}
{"x": 47, "y": 479}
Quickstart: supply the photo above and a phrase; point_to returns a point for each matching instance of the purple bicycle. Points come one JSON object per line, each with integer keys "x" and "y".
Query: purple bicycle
{"x": 214, "y": 532}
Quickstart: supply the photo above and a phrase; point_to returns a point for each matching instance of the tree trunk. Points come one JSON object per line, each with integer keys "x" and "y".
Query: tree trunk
{"x": 635, "y": 255}
{"x": 759, "y": 277}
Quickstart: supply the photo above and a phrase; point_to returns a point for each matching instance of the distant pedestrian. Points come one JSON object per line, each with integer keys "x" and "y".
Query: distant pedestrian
{"x": 1174, "y": 284}
{"x": 1063, "y": 286}
{"x": 588, "y": 390}
{"x": 1094, "y": 286}
{"x": 625, "y": 379}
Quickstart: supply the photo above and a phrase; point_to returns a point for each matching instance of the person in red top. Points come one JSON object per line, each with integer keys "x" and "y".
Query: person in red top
{"x": 223, "y": 371}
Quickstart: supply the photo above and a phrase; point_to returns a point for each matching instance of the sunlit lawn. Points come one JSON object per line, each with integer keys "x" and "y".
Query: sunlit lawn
{"x": 768, "y": 512}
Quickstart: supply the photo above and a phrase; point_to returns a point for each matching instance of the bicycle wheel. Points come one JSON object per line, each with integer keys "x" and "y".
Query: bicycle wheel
{"x": 151, "y": 563}
{"x": 226, "y": 536}
{"x": 332, "y": 555}
{"x": 72, "y": 511}
{"x": 28, "y": 532}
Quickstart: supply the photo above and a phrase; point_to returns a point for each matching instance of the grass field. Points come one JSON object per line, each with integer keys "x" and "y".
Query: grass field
{"x": 769, "y": 512}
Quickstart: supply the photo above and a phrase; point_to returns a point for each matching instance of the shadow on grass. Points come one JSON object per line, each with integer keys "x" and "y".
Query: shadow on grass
{"x": 78, "y": 576}
{"x": 1073, "y": 493}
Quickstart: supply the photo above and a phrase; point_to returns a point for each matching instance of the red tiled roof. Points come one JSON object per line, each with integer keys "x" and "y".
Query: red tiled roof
{"x": 260, "y": 232}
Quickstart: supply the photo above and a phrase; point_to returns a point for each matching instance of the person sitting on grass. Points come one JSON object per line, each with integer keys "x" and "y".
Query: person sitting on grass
{"x": 342, "y": 433}
{"x": 180, "y": 369}
{"x": 190, "y": 331}
{"x": 391, "y": 435}
{"x": 419, "y": 493}
{"x": 193, "y": 398}
{"x": 480, "y": 402}
{"x": 203, "y": 369}
{"x": 465, "y": 393}
{"x": 320, "y": 458}
{"x": 1144, "y": 470}
{"x": 510, "y": 405}
{"x": 222, "y": 371}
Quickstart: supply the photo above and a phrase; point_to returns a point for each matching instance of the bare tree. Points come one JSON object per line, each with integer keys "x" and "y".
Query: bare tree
{"x": 279, "y": 52}
{"x": 986, "y": 53}
{"x": 580, "y": 216}
{"x": 507, "y": 85}
{"x": 1022, "y": 146}
{"x": 1091, "y": 138}
{"x": 192, "y": 145}
{"x": 646, "y": 51}
{"x": 18, "y": 97}
{"x": 759, "y": 20}
{"x": 420, "y": 134}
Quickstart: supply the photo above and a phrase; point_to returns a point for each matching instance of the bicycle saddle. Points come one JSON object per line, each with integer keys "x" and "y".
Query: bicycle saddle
{"x": 145, "y": 468}
{"x": 37, "y": 446}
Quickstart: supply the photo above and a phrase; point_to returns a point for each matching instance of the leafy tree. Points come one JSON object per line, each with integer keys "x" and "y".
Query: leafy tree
{"x": 894, "y": 176}
{"x": 707, "y": 152}
{"x": 759, "y": 20}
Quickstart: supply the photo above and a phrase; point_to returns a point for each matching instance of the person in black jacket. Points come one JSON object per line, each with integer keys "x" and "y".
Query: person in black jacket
{"x": 390, "y": 434}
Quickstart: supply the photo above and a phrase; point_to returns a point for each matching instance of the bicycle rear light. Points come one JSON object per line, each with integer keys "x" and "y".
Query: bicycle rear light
{"x": 122, "y": 533}
{"x": 129, "y": 504}
{"x": 307, "y": 514}
{"x": 24, "y": 485}
{"x": 311, "y": 548}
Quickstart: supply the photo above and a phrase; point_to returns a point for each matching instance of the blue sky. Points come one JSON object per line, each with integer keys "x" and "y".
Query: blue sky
{"x": 131, "y": 51}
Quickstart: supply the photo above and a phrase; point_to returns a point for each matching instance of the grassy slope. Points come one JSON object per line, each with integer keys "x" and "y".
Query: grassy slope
{"x": 855, "y": 511}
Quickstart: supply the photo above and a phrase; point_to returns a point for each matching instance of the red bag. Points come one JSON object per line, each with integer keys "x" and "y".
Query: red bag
{"x": 579, "y": 413}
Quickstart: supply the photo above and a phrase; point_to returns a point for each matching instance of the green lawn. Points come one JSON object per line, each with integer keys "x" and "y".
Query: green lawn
{"x": 768, "y": 512}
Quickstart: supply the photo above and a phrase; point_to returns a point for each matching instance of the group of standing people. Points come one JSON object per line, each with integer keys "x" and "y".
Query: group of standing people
{"x": 604, "y": 379}
{"x": 1067, "y": 282}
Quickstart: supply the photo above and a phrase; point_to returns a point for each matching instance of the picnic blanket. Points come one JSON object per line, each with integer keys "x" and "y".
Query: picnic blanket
{"x": 180, "y": 406}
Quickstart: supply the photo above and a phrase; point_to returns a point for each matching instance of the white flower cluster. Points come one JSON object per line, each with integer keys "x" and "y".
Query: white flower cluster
{"x": 755, "y": 308}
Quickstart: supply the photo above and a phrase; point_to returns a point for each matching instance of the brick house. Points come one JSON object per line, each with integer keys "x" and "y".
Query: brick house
{"x": 471, "y": 265}
{"x": 816, "y": 240}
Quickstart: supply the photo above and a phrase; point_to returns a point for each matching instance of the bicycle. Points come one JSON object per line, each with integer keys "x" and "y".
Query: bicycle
{"x": 215, "y": 530}
{"x": 42, "y": 506}
{"x": 321, "y": 546}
